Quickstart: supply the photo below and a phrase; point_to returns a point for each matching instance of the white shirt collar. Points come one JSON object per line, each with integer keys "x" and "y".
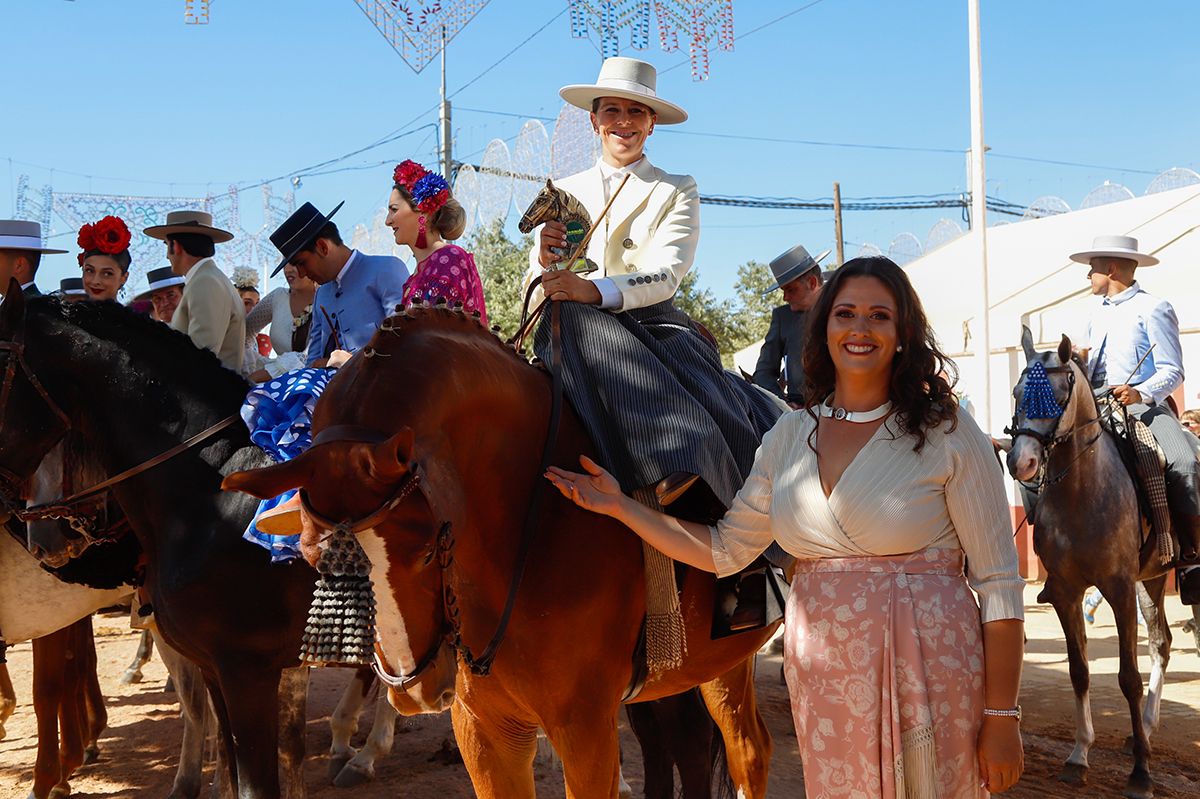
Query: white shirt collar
{"x": 188, "y": 277}
{"x": 345, "y": 268}
{"x": 1127, "y": 294}
{"x": 27, "y": 285}
{"x": 608, "y": 171}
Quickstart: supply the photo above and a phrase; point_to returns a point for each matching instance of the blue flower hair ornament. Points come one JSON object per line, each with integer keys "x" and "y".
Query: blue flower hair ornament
{"x": 1039, "y": 401}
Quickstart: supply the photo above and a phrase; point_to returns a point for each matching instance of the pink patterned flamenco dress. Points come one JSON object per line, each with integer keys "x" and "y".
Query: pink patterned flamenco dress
{"x": 448, "y": 273}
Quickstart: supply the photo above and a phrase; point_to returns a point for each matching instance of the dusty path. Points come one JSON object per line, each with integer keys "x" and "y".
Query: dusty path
{"x": 141, "y": 745}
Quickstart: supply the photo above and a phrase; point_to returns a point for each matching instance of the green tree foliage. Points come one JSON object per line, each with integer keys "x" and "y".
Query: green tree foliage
{"x": 501, "y": 263}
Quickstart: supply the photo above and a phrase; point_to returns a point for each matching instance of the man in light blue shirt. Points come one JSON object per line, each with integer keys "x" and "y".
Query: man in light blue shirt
{"x": 357, "y": 291}
{"x": 1124, "y": 327}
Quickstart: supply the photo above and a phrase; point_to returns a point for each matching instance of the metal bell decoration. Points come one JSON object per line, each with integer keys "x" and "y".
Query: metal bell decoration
{"x": 1039, "y": 401}
{"x": 341, "y": 619}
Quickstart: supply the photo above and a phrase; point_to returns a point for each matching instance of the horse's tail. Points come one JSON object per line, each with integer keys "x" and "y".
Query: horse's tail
{"x": 722, "y": 781}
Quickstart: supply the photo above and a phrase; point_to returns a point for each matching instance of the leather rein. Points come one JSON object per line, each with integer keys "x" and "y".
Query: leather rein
{"x": 416, "y": 480}
{"x": 66, "y": 507}
{"x": 1051, "y": 440}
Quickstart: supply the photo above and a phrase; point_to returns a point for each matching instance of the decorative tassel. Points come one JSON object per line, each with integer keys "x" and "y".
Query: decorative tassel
{"x": 341, "y": 620}
{"x": 422, "y": 242}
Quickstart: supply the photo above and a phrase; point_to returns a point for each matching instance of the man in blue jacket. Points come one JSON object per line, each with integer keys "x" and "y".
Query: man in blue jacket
{"x": 357, "y": 291}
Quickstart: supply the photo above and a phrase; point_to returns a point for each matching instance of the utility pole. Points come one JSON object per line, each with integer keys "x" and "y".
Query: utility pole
{"x": 837, "y": 223}
{"x": 444, "y": 118}
{"x": 983, "y": 344}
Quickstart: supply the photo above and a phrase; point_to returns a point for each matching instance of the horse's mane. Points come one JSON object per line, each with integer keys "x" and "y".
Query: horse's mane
{"x": 177, "y": 361}
{"x": 439, "y": 318}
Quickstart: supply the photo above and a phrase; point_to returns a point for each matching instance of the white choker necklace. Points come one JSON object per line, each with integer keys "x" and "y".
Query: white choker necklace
{"x": 859, "y": 417}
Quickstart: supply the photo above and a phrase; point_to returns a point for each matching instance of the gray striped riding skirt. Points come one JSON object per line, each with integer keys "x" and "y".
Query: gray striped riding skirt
{"x": 655, "y": 398}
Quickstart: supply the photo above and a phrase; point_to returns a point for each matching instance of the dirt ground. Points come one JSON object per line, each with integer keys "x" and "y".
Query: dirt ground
{"x": 140, "y": 748}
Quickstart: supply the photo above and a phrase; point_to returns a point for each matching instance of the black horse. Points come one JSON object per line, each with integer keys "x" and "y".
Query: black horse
{"x": 136, "y": 389}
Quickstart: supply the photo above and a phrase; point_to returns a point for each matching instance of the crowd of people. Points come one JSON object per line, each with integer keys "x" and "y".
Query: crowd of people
{"x": 887, "y": 495}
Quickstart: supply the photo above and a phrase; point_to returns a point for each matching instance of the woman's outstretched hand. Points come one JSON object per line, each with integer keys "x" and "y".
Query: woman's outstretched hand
{"x": 597, "y": 491}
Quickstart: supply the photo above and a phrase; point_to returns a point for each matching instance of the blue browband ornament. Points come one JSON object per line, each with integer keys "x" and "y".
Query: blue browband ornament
{"x": 1039, "y": 401}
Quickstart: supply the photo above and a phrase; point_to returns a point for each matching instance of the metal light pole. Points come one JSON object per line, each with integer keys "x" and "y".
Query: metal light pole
{"x": 444, "y": 118}
{"x": 983, "y": 344}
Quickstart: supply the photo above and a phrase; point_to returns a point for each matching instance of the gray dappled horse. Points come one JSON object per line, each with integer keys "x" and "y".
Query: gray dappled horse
{"x": 1089, "y": 531}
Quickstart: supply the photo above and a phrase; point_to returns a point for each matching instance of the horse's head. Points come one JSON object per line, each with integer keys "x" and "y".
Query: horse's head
{"x": 1046, "y": 403}
{"x": 547, "y": 205}
{"x": 402, "y": 536}
{"x": 33, "y": 385}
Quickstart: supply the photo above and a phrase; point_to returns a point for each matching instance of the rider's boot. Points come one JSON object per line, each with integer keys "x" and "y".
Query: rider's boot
{"x": 1188, "y": 530}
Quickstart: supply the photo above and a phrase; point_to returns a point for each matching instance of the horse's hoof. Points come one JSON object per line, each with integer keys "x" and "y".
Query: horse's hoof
{"x": 91, "y": 754}
{"x": 337, "y": 763}
{"x": 131, "y": 677}
{"x": 1073, "y": 774}
{"x": 1139, "y": 788}
{"x": 60, "y": 791}
{"x": 353, "y": 775}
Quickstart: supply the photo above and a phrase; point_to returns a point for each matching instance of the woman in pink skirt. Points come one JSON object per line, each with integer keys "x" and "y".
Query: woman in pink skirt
{"x": 902, "y": 685}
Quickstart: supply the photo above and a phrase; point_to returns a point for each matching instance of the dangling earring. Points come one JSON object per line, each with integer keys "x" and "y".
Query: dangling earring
{"x": 900, "y": 348}
{"x": 421, "y": 240}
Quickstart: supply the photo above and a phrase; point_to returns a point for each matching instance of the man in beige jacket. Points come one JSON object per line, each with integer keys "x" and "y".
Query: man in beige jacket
{"x": 210, "y": 311}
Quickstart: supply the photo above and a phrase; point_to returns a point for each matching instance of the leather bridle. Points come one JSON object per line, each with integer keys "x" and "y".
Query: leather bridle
{"x": 65, "y": 508}
{"x": 451, "y": 629}
{"x": 1053, "y": 439}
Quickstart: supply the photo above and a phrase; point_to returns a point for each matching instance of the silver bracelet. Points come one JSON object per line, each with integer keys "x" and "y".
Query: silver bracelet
{"x": 1014, "y": 713}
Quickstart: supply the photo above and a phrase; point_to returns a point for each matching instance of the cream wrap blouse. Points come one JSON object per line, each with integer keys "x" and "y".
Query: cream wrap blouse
{"x": 889, "y": 501}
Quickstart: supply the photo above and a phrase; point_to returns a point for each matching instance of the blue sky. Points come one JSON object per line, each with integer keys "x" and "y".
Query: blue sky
{"x": 124, "y": 91}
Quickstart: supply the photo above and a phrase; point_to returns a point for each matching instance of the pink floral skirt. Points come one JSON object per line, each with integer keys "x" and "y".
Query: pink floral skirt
{"x": 884, "y": 665}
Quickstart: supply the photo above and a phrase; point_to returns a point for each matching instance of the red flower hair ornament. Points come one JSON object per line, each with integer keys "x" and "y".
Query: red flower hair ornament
{"x": 429, "y": 190}
{"x": 110, "y": 236}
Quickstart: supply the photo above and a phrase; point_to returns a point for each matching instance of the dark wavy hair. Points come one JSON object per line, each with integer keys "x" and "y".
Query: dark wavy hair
{"x": 921, "y": 374}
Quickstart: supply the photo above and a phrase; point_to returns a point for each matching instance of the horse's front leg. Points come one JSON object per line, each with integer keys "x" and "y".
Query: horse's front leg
{"x": 361, "y": 769}
{"x": 498, "y": 754}
{"x": 1158, "y": 633}
{"x": 1122, "y": 596}
{"x": 344, "y": 721}
{"x": 293, "y": 713}
{"x": 590, "y": 752}
{"x": 250, "y": 698}
{"x": 734, "y": 708}
{"x": 1066, "y": 601}
{"x": 194, "y": 708}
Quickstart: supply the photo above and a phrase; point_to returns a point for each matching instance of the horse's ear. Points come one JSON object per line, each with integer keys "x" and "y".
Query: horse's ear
{"x": 1064, "y": 350}
{"x": 1027, "y": 343}
{"x": 12, "y": 309}
{"x": 390, "y": 459}
{"x": 271, "y": 481}
{"x": 549, "y": 184}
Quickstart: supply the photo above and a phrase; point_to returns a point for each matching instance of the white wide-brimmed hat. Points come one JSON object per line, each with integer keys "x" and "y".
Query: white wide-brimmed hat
{"x": 627, "y": 78}
{"x": 1114, "y": 247}
{"x": 21, "y": 234}
{"x": 198, "y": 222}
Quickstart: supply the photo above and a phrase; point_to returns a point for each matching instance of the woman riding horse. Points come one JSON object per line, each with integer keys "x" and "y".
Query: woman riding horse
{"x": 649, "y": 389}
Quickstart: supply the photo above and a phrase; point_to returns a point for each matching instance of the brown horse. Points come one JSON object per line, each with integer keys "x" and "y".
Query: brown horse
{"x": 427, "y": 446}
{"x": 1089, "y": 531}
